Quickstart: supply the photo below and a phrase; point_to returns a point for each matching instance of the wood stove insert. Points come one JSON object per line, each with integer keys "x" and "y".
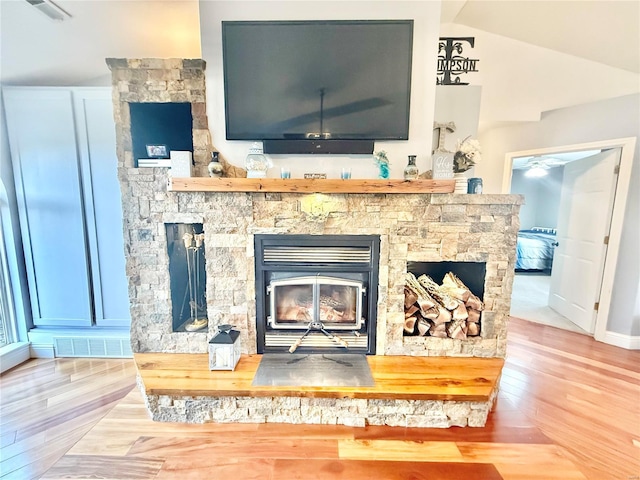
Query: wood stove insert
{"x": 316, "y": 294}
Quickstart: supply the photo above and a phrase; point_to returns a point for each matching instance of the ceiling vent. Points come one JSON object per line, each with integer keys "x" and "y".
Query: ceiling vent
{"x": 50, "y": 9}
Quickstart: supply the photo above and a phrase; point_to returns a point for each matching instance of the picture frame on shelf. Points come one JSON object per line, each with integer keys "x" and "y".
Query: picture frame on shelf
{"x": 157, "y": 151}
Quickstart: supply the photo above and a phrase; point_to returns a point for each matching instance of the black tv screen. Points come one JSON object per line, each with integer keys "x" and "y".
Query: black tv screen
{"x": 338, "y": 80}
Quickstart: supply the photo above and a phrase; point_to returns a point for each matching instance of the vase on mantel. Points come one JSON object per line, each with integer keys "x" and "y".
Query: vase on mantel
{"x": 461, "y": 183}
{"x": 411, "y": 170}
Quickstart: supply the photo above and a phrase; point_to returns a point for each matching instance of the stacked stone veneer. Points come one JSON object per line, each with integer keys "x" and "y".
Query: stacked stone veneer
{"x": 412, "y": 227}
{"x": 426, "y": 228}
{"x": 329, "y": 411}
{"x": 158, "y": 80}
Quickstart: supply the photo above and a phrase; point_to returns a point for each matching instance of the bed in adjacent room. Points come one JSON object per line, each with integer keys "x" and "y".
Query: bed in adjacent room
{"x": 534, "y": 249}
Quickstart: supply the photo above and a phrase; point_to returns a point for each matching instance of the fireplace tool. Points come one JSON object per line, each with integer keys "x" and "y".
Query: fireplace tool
{"x": 314, "y": 326}
{"x": 192, "y": 245}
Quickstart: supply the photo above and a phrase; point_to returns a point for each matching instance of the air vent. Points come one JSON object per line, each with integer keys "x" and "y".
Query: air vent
{"x": 317, "y": 255}
{"x": 92, "y": 347}
{"x": 50, "y": 9}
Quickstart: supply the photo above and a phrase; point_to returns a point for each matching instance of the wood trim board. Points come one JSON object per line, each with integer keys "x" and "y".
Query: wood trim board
{"x": 308, "y": 185}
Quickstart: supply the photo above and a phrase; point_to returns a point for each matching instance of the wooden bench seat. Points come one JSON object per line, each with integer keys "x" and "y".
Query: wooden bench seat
{"x": 396, "y": 377}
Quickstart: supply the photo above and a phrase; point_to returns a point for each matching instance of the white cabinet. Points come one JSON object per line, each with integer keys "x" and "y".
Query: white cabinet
{"x": 63, "y": 151}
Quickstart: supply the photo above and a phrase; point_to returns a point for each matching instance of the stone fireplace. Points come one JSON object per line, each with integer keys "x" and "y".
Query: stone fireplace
{"x": 409, "y": 231}
{"x": 410, "y": 227}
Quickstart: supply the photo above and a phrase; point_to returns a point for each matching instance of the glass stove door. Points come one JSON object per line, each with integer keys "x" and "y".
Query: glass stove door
{"x": 339, "y": 305}
{"x": 292, "y": 304}
{"x": 296, "y": 302}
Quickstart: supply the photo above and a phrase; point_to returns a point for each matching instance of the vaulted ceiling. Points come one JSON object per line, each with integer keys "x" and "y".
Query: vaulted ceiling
{"x": 606, "y": 31}
{"x": 597, "y": 39}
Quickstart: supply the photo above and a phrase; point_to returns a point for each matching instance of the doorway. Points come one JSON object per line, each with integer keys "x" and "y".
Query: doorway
{"x": 531, "y": 287}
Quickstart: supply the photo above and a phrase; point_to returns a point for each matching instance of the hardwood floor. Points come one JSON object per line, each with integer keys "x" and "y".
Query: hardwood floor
{"x": 569, "y": 408}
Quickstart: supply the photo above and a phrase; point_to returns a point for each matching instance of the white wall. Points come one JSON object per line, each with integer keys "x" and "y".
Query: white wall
{"x": 604, "y": 120}
{"x": 426, "y": 16}
{"x": 520, "y": 80}
{"x": 541, "y": 195}
{"x": 459, "y": 104}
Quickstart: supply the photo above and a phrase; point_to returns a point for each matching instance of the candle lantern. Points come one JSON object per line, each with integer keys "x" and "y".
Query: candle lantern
{"x": 224, "y": 349}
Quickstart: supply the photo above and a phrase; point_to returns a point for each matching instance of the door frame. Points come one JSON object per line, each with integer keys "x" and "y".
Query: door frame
{"x": 627, "y": 146}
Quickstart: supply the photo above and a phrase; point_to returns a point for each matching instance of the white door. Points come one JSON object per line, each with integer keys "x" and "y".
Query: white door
{"x": 584, "y": 217}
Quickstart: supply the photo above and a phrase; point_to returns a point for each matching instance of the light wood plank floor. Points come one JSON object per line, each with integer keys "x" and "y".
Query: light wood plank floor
{"x": 569, "y": 408}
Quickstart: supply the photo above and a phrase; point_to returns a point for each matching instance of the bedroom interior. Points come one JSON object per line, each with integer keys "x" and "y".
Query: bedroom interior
{"x": 539, "y": 179}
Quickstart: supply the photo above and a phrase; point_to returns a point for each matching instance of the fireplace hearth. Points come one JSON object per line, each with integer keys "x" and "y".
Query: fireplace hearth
{"x": 313, "y": 293}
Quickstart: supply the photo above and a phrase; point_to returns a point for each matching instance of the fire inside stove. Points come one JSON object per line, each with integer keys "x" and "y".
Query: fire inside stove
{"x": 296, "y": 302}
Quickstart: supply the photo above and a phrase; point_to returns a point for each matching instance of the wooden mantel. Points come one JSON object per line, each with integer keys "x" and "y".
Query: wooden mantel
{"x": 304, "y": 185}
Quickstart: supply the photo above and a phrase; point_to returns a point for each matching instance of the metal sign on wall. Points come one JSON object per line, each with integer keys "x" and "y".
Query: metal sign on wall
{"x": 451, "y": 62}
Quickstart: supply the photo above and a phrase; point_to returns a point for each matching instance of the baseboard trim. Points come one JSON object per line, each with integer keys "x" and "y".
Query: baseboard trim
{"x": 42, "y": 351}
{"x": 13, "y": 354}
{"x": 628, "y": 342}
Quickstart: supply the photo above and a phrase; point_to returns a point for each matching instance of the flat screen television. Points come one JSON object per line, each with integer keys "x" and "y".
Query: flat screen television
{"x": 317, "y": 86}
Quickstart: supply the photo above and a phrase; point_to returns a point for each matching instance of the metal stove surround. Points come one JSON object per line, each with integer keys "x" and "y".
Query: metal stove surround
{"x": 316, "y": 293}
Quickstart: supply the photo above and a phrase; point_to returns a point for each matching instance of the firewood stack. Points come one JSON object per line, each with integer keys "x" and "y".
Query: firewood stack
{"x": 447, "y": 310}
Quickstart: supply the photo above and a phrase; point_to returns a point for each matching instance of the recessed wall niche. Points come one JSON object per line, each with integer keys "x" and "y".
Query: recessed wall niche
{"x": 187, "y": 276}
{"x": 471, "y": 273}
{"x": 454, "y": 314}
{"x": 169, "y": 124}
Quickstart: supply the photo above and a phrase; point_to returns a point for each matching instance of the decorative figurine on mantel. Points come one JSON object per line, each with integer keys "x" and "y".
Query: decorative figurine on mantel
{"x": 383, "y": 164}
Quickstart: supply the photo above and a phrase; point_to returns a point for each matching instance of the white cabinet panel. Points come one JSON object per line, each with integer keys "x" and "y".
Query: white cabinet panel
{"x": 62, "y": 144}
{"x": 97, "y": 146}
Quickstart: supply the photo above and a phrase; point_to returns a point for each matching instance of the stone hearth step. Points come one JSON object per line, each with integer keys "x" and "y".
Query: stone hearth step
{"x": 408, "y": 391}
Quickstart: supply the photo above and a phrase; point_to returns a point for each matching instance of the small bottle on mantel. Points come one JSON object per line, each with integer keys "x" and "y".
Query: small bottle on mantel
{"x": 411, "y": 170}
